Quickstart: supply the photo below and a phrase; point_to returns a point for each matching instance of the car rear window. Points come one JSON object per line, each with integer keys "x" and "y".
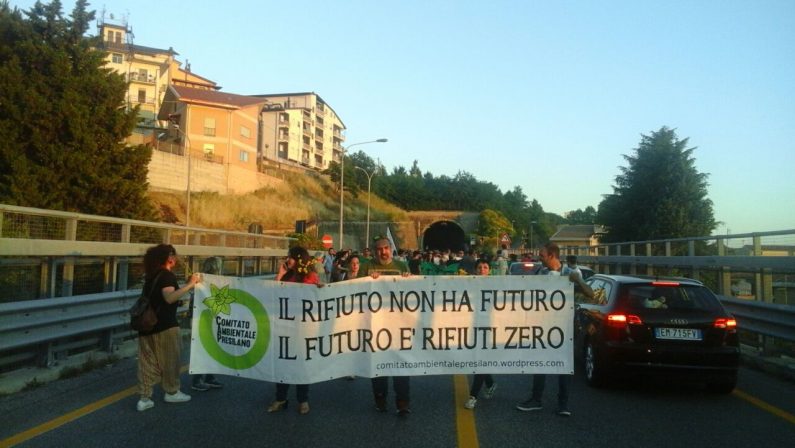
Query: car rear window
{"x": 669, "y": 297}
{"x": 523, "y": 268}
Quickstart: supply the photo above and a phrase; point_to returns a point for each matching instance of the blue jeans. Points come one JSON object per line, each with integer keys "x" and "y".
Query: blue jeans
{"x": 399, "y": 383}
{"x": 540, "y": 381}
{"x": 301, "y": 392}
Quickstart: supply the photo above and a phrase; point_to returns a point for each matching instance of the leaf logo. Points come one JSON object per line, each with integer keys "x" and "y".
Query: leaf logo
{"x": 220, "y": 300}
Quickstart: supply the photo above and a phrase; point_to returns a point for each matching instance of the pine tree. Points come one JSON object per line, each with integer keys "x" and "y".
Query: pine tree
{"x": 659, "y": 195}
{"x": 62, "y": 118}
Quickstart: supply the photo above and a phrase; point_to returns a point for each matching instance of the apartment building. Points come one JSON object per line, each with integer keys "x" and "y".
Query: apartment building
{"x": 149, "y": 71}
{"x": 300, "y": 128}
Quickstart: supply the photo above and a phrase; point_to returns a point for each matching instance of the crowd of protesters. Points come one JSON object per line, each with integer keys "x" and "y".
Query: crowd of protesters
{"x": 336, "y": 266}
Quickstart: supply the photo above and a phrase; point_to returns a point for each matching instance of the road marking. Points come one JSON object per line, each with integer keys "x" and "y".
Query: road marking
{"x": 464, "y": 418}
{"x": 67, "y": 418}
{"x": 71, "y": 416}
{"x": 778, "y": 412}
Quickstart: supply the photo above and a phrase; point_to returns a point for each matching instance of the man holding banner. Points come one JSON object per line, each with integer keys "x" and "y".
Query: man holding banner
{"x": 383, "y": 264}
{"x": 550, "y": 257}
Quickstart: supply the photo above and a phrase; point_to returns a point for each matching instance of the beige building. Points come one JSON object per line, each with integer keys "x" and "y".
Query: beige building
{"x": 300, "y": 128}
{"x": 150, "y": 71}
{"x": 573, "y": 238}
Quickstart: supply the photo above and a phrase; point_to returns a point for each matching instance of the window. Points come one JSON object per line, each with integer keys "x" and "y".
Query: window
{"x": 209, "y": 127}
{"x": 245, "y": 132}
{"x": 243, "y": 156}
{"x": 116, "y": 58}
{"x": 142, "y": 74}
{"x": 141, "y": 95}
{"x": 118, "y": 37}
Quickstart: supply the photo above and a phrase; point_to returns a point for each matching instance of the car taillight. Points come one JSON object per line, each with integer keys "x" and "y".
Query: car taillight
{"x": 620, "y": 320}
{"x": 729, "y": 324}
{"x": 665, "y": 283}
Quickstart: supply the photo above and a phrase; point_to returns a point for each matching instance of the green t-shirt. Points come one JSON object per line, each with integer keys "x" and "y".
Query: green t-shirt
{"x": 393, "y": 268}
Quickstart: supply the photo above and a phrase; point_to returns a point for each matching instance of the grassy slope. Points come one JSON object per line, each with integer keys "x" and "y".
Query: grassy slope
{"x": 297, "y": 197}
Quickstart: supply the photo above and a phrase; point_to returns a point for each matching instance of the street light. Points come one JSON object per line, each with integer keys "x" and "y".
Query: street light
{"x": 342, "y": 176}
{"x": 369, "y": 179}
{"x": 187, "y": 155}
{"x": 532, "y": 223}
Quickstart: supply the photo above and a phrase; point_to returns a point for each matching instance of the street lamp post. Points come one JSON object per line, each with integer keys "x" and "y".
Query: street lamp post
{"x": 532, "y": 223}
{"x": 369, "y": 179}
{"x": 342, "y": 176}
{"x": 187, "y": 201}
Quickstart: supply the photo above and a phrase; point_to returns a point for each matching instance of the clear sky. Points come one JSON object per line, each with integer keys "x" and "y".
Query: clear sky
{"x": 545, "y": 95}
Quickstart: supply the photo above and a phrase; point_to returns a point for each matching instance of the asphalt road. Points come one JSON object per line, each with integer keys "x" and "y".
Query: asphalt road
{"x": 643, "y": 413}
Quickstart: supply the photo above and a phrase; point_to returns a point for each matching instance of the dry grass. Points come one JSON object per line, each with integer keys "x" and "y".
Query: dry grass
{"x": 308, "y": 197}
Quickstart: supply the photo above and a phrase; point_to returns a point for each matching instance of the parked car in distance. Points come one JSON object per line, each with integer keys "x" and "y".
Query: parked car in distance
{"x": 661, "y": 326}
{"x": 524, "y": 268}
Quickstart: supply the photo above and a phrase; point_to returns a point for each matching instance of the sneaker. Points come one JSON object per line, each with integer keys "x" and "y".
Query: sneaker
{"x": 380, "y": 403}
{"x": 403, "y": 407}
{"x": 200, "y": 386}
{"x": 471, "y": 402}
{"x": 303, "y": 408}
{"x": 564, "y": 412}
{"x": 530, "y": 405}
{"x": 489, "y": 392}
{"x": 213, "y": 383}
{"x": 144, "y": 404}
{"x": 176, "y": 397}
{"x": 277, "y": 406}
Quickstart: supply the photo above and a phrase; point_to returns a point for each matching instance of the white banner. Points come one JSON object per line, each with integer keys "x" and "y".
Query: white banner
{"x": 417, "y": 325}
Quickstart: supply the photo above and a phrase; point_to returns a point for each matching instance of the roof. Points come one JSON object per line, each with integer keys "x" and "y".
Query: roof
{"x": 321, "y": 100}
{"x": 577, "y": 232}
{"x": 214, "y": 97}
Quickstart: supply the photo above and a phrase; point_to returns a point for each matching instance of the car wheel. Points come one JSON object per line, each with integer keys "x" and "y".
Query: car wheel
{"x": 594, "y": 370}
{"x": 724, "y": 385}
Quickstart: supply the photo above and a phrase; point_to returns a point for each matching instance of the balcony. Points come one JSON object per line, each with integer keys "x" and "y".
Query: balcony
{"x": 139, "y": 78}
{"x": 283, "y": 137}
{"x": 210, "y": 157}
{"x": 143, "y": 100}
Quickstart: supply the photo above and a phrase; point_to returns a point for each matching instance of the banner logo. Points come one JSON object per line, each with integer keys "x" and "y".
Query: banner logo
{"x": 248, "y": 335}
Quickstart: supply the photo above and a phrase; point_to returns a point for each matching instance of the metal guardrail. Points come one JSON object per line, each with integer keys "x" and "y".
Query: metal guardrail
{"x": 766, "y": 319}
{"x": 70, "y": 278}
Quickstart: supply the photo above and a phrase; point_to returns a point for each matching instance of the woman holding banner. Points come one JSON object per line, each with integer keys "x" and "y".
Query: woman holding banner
{"x": 481, "y": 268}
{"x": 298, "y": 269}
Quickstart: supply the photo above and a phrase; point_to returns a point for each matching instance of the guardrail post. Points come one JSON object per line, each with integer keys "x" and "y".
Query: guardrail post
{"x": 619, "y": 271}
{"x": 633, "y": 269}
{"x": 725, "y": 280}
{"x": 691, "y": 252}
{"x": 649, "y": 268}
{"x": 69, "y": 263}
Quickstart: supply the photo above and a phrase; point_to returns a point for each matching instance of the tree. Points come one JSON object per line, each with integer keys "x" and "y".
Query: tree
{"x": 659, "y": 195}
{"x": 580, "y": 216}
{"x": 62, "y": 119}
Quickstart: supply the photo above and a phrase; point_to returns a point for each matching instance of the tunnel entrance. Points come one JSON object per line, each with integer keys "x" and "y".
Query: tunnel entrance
{"x": 443, "y": 235}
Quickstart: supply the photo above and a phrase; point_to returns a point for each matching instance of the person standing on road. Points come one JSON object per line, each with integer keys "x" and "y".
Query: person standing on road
{"x": 481, "y": 268}
{"x": 298, "y": 268}
{"x": 570, "y": 266}
{"x": 550, "y": 257}
{"x": 159, "y": 349}
{"x": 383, "y": 264}
{"x": 202, "y": 383}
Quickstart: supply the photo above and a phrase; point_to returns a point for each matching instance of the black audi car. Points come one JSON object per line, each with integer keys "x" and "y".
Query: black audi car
{"x": 663, "y": 326}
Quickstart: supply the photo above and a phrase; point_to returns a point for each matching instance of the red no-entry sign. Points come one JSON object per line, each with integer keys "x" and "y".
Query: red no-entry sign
{"x": 327, "y": 241}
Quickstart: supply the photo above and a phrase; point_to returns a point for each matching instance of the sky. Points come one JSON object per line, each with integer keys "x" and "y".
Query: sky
{"x": 545, "y": 95}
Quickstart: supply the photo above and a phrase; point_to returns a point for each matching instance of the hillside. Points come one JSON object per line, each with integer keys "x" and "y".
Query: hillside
{"x": 311, "y": 197}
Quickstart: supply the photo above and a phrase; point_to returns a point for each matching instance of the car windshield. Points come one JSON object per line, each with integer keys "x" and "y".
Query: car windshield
{"x": 669, "y": 296}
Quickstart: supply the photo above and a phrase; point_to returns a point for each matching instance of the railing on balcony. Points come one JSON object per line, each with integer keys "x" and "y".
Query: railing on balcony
{"x": 138, "y": 77}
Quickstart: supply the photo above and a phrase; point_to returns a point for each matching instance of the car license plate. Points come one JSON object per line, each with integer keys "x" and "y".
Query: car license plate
{"x": 685, "y": 334}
